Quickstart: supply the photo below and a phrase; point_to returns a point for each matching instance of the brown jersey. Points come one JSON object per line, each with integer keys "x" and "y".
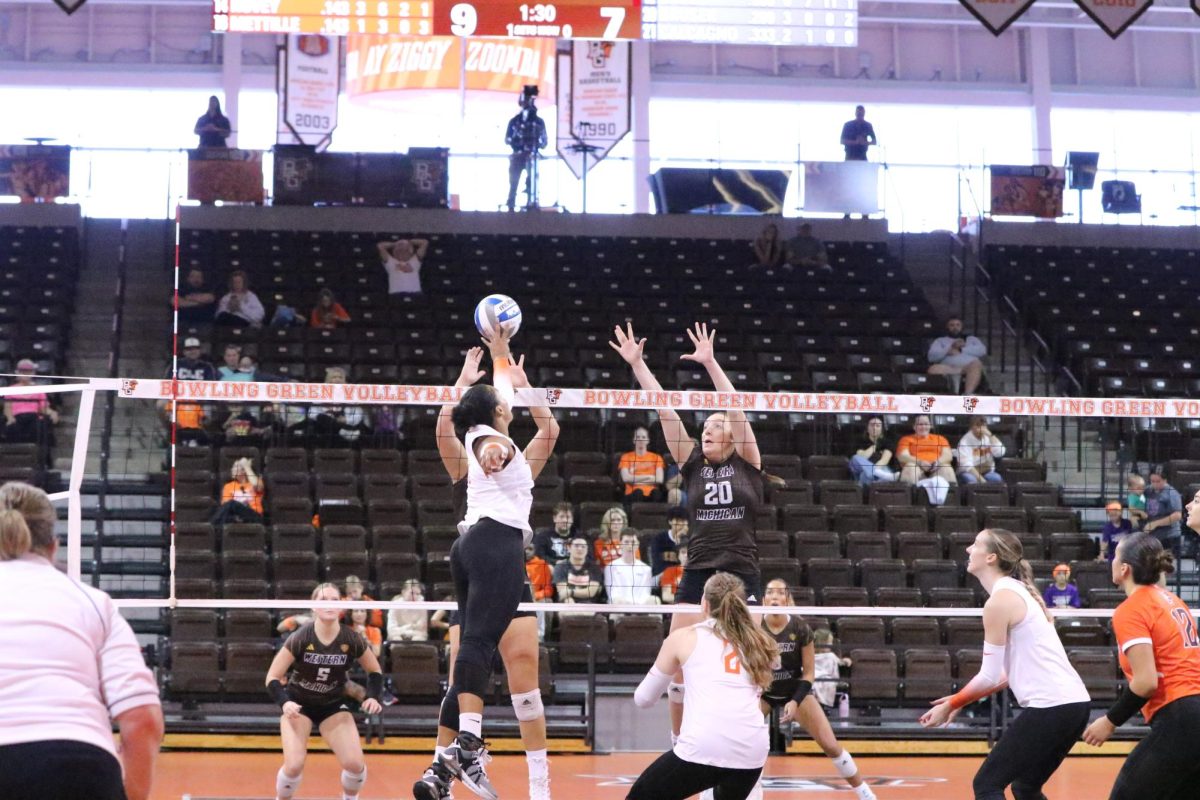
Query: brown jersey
{"x": 791, "y": 642}
{"x": 722, "y": 501}
{"x": 319, "y": 674}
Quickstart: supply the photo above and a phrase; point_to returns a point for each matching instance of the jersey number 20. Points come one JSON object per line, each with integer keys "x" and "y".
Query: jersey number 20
{"x": 1187, "y": 627}
{"x": 718, "y": 493}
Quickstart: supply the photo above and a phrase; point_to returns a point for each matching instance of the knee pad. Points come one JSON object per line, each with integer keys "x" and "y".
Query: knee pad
{"x": 448, "y": 716}
{"x": 528, "y": 706}
{"x": 845, "y": 766}
{"x": 675, "y": 692}
{"x": 285, "y": 786}
{"x": 352, "y": 783}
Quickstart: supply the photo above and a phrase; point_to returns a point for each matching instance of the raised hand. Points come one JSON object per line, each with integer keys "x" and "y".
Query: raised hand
{"x": 627, "y": 345}
{"x": 702, "y": 339}
{"x": 471, "y": 373}
{"x": 498, "y": 344}
{"x": 516, "y": 373}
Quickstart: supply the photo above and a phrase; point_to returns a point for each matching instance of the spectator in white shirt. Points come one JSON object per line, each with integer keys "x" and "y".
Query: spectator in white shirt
{"x": 402, "y": 262}
{"x": 71, "y": 666}
{"x": 958, "y": 353}
{"x": 240, "y": 306}
{"x": 978, "y": 450}
{"x": 628, "y": 580}
{"x": 408, "y": 626}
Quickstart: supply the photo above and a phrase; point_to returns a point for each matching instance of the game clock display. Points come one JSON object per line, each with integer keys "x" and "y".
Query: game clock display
{"x": 562, "y": 19}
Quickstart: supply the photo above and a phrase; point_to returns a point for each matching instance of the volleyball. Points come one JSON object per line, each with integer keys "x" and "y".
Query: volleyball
{"x": 497, "y": 311}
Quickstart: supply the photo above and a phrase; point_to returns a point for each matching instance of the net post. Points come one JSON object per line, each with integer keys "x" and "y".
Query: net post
{"x": 83, "y": 425}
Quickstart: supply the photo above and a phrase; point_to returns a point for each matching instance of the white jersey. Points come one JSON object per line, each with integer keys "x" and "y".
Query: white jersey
{"x": 723, "y": 725}
{"x": 505, "y": 496}
{"x": 1039, "y": 673}
{"x": 71, "y": 662}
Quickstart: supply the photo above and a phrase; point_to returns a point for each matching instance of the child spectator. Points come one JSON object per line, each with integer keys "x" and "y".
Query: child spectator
{"x": 374, "y": 636}
{"x": 241, "y": 497}
{"x": 328, "y": 312}
{"x": 642, "y": 471}
{"x": 1135, "y": 500}
{"x": 1061, "y": 593}
{"x": 354, "y": 591}
{"x": 405, "y": 625}
{"x": 828, "y": 668}
{"x": 608, "y": 544}
{"x": 1116, "y": 529}
{"x": 668, "y": 580}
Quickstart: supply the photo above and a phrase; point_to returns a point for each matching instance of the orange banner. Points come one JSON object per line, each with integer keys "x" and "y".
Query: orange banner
{"x": 390, "y": 63}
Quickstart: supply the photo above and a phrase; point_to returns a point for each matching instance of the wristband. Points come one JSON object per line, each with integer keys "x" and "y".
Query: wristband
{"x": 278, "y": 693}
{"x": 802, "y": 691}
{"x": 374, "y": 685}
{"x": 1126, "y": 706}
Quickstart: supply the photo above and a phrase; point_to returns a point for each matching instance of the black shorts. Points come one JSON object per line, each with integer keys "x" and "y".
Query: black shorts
{"x": 320, "y": 713}
{"x": 691, "y": 585}
{"x": 526, "y": 597}
{"x": 61, "y": 769}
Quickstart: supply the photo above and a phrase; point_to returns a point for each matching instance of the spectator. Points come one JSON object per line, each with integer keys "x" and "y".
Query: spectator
{"x": 1114, "y": 530}
{"x": 769, "y": 250}
{"x": 664, "y": 548}
{"x": 1164, "y": 510}
{"x": 328, "y": 313}
{"x": 924, "y": 459}
{"x": 240, "y": 306}
{"x": 359, "y": 624}
{"x": 541, "y": 577}
{"x": 405, "y": 625}
{"x": 241, "y": 497}
{"x": 191, "y": 367}
{"x": 292, "y": 623}
{"x": 334, "y": 426}
{"x": 197, "y": 300}
{"x": 577, "y": 580}
{"x": 190, "y": 420}
{"x": 858, "y": 135}
{"x": 354, "y": 591}
{"x": 642, "y": 471}
{"x": 402, "y": 262}
{"x": 439, "y": 623}
{"x": 213, "y": 127}
{"x": 668, "y": 581}
{"x": 242, "y": 427}
{"x": 1135, "y": 485}
{"x": 874, "y": 457}
{"x": 29, "y": 417}
{"x": 978, "y": 450}
{"x": 828, "y": 666}
{"x": 608, "y": 544}
{"x": 958, "y": 353}
{"x": 673, "y": 481}
{"x": 231, "y": 359}
{"x": 806, "y": 250}
{"x": 627, "y": 580}
{"x": 1061, "y": 593}
{"x": 248, "y": 368}
{"x": 551, "y": 544}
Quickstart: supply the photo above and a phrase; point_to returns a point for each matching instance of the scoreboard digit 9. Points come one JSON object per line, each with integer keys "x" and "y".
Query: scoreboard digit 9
{"x": 558, "y": 19}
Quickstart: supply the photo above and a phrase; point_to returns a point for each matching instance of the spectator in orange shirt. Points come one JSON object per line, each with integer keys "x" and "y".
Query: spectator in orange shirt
{"x": 241, "y": 497}
{"x": 374, "y": 636}
{"x": 608, "y": 544}
{"x": 642, "y": 471}
{"x": 328, "y": 313}
{"x": 541, "y": 579}
{"x": 924, "y": 458}
{"x": 354, "y": 591}
{"x": 668, "y": 580}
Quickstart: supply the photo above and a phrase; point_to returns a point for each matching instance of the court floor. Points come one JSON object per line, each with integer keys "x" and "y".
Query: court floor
{"x": 251, "y": 776}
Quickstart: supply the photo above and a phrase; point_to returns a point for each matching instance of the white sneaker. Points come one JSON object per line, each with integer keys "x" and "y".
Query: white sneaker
{"x": 539, "y": 788}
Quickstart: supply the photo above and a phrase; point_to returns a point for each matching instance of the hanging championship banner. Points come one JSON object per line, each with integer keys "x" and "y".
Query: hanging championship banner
{"x": 390, "y": 63}
{"x": 1114, "y": 16}
{"x": 70, "y": 6}
{"x": 996, "y": 17}
{"x": 309, "y": 82}
{"x": 600, "y": 91}
{"x": 1035, "y": 191}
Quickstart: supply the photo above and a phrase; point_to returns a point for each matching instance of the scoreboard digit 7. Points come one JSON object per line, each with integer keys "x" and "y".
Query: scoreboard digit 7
{"x": 558, "y": 19}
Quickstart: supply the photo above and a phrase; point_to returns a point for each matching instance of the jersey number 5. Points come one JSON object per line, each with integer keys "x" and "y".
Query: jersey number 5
{"x": 733, "y": 664}
{"x": 323, "y": 675}
{"x": 1187, "y": 627}
{"x": 718, "y": 493}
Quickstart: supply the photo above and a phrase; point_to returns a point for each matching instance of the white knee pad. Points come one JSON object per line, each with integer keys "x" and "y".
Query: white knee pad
{"x": 286, "y": 787}
{"x": 845, "y": 765}
{"x": 352, "y": 783}
{"x": 675, "y": 693}
{"x": 528, "y": 706}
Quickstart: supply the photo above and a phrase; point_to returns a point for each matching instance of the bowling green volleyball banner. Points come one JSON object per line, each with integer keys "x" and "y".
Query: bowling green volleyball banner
{"x": 1113, "y": 16}
{"x": 634, "y": 399}
{"x": 390, "y": 63}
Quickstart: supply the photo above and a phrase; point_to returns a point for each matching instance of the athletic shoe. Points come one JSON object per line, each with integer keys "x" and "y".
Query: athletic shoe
{"x": 434, "y": 784}
{"x": 539, "y": 788}
{"x": 466, "y": 759}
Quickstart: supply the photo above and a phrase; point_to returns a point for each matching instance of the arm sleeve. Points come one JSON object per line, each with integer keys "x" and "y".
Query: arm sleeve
{"x": 975, "y": 347}
{"x": 990, "y": 678}
{"x": 938, "y": 349}
{"x": 126, "y": 681}
{"x": 651, "y": 688}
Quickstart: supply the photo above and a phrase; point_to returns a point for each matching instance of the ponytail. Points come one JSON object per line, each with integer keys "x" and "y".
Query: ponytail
{"x": 15, "y": 538}
{"x": 725, "y": 594}
{"x": 1010, "y": 560}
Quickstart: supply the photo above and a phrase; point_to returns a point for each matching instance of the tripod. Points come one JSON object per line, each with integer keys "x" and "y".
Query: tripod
{"x": 583, "y": 148}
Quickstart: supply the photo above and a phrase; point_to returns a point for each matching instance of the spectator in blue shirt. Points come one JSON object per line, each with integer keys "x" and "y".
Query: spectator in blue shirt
{"x": 1116, "y": 529}
{"x": 664, "y": 549}
{"x": 1164, "y": 510}
{"x": 1062, "y": 593}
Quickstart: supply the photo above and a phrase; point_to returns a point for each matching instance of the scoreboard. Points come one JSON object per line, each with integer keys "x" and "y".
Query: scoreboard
{"x": 826, "y": 23}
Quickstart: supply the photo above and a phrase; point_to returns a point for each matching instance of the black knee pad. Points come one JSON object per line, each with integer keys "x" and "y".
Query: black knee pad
{"x": 473, "y": 669}
{"x": 448, "y": 717}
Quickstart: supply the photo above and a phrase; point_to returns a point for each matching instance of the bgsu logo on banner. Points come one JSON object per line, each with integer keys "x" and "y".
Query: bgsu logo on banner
{"x": 927, "y": 403}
